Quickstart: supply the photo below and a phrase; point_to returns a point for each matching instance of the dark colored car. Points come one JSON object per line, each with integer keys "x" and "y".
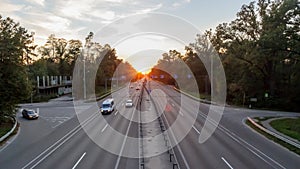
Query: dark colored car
{"x": 29, "y": 114}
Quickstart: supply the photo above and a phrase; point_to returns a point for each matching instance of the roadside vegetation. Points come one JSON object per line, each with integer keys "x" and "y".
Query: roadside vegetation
{"x": 5, "y": 126}
{"x": 21, "y": 61}
{"x": 288, "y": 126}
{"x": 16, "y": 45}
{"x": 42, "y": 98}
{"x": 259, "y": 51}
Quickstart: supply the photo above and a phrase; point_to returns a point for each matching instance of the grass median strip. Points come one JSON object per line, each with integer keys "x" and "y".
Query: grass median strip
{"x": 286, "y": 145}
{"x": 4, "y": 128}
{"x": 288, "y": 126}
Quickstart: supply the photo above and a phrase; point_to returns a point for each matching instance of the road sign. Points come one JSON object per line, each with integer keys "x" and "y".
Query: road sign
{"x": 266, "y": 95}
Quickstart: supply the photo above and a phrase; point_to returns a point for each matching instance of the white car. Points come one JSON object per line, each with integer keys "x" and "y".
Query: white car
{"x": 129, "y": 103}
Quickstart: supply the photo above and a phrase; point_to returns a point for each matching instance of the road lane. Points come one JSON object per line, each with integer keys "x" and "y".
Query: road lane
{"x": 232, "y": 145}
{"x": 63, "y": 157}
{"x": 25, "y": 148}
{"x": 82, "y": 156}
{"x": 241, "y": 156}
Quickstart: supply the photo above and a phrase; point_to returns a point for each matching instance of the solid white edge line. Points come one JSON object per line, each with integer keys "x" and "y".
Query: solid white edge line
{"x": 57, "y": 143}
{"x": 79, "y": 160}
{"x": 104, "y": 128}
{"x": 245, "y": 144}
{"x": 227, "y": 163}
{"x": 196, "y": 130}
{"x": 116, "y": 112}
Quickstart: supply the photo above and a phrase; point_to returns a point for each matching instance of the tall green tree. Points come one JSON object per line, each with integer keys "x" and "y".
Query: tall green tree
{"x": 15, "y": 46}
{"x": 101, "y": 61}
{"x": 60, "y": 55}
{"x": 261, "y": 49}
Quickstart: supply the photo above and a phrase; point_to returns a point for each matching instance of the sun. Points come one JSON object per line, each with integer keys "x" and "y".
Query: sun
{"x": 145, "y": 72}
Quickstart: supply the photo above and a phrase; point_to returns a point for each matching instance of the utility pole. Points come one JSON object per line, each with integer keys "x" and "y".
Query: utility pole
{"x": 87, "y": 45}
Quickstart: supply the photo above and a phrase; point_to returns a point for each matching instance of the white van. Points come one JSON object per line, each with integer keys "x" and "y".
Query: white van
{"x": 107, "y": 106}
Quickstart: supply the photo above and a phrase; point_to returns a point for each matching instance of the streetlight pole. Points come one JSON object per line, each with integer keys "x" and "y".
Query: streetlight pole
{"x": 84, "y": 81}
{"x": 105, "y": 84}
{"x": 117, "y": 78}
{"x": 31, "y": 96}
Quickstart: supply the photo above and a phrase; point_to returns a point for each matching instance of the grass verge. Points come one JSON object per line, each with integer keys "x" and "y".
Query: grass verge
{"x": 286, "y": 145}
{"x": 198, "y": 95}
{"x": 288, "y": 126}
{"x": 4, "y": 130}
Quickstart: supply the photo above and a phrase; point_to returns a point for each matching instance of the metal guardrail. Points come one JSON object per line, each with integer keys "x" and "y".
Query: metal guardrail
{"x": 193, "y": 97}
{"x": 11, "y": 131}
{"x": 141, "y": 153}
{"x": 274, "y": 134}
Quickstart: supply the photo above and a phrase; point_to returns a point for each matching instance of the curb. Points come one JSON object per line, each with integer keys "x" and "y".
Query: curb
{"x": 103, "y": 96}
{"x": 11, "y": 131}
{"x": 274, "y": 134}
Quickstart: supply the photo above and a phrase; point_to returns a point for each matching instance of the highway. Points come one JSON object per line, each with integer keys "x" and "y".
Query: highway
{"x": 68, "y": 136}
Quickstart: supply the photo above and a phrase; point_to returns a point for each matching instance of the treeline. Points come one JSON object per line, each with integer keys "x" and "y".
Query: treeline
{"x": 15, "y": 50}
{"x": 101, "y": 68}
{"x": 260, "y": 51}
{"x": 260, "y": 54}
{"x": 21, "y": 61}
{"x": 58, "y": 57}
{"x": 186, "y": 71}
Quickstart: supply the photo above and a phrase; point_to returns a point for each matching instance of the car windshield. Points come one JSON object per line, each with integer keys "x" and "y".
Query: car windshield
{"x": 129, "y": 101}
{"x": 105, "y": 105}
{"x": 30, "y": 112}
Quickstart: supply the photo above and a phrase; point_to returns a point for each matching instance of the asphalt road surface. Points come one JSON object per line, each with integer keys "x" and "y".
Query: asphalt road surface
{"x": 159, "y": 131}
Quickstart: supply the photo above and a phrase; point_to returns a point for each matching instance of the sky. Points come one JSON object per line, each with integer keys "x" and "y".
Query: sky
{"x": 114, "y": 22}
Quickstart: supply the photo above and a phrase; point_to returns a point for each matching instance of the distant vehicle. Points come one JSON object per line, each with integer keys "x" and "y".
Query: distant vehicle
{"x": 108, "y": 106}
{"x": 137, "y": 88}
{"x": 129, "y": 103}
{"x": 29, "y": 114}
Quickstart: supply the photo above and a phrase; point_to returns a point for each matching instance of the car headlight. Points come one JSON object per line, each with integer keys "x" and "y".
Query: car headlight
{"x": 30, "y": 116}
